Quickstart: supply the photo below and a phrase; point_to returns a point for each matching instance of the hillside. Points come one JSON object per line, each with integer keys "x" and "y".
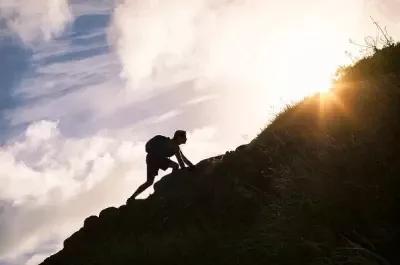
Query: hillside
{"x": 318, "y": 186}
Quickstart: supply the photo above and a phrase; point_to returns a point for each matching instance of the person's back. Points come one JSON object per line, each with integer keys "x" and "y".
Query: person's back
{"x": 161, "y": 146}
{"x": 159, "y": 149}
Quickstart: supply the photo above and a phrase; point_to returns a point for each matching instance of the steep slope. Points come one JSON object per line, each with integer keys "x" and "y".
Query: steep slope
{"x": 318, "y": 186}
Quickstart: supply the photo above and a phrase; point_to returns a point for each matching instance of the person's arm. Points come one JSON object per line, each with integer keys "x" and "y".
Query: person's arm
{"x": 179, "y": 157}
{"x": 187, "y": 162}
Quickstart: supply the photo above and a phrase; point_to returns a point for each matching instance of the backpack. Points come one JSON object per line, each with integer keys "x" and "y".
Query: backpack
{"x": 157, "y": 145}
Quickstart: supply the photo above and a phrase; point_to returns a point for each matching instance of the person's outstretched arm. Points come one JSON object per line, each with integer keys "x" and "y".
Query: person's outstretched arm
{"x": 187, "y": 162}
{"x": 179, "y": 157}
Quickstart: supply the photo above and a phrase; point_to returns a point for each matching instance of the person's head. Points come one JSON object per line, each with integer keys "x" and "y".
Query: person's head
{"x": 180, "y": 137}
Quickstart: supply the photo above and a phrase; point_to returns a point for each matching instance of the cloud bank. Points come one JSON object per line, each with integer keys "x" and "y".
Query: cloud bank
{"x": 45, "y": 176}
{"x": 35, "y": 20}
{"x": 164, "y": 41}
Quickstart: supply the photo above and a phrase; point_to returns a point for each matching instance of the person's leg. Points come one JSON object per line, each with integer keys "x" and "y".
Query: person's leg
{"x": 166, "y": 163}
{"x": 151, "y": 174}
{"x": 173, "y": 165}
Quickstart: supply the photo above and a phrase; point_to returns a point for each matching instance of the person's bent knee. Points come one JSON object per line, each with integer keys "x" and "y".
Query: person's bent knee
{"x": 174, "y": 166}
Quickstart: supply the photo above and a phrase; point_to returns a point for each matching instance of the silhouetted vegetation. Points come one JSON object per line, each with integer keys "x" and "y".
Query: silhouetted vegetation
{"x": 320, "y": 185}
{"x": 379, "y": 56}
{"x": 383, "y": 61}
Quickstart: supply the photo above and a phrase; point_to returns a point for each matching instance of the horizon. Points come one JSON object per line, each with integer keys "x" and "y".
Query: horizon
{"x": 85, "y": 84}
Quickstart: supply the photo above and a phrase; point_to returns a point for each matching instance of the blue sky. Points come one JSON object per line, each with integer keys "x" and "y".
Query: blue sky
{"x": 85, "y": 83}
{"x": 40, "y": 72}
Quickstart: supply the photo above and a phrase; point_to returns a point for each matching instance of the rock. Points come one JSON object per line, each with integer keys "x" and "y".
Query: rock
{"x": 90, "y": 222}
{"x": 109, "y": 212}
{"x": 241, "y": 147}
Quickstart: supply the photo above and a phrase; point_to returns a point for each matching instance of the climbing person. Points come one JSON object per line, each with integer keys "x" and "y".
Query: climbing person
{"x": 159, "y": 149}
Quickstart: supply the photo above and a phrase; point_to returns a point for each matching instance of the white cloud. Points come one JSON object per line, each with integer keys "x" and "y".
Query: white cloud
{"x": 36, "y": 259}
{"x": 235, "y": 41}
{"x": 166, "y": 116}
{"x": 44, "y": 161}
{"x": 44, "y": 176}
{"x": 35, "y": 20}
{"x": 203, "y": 143}
{"x": 201, "y": 99}
{"x": 66, "y": 89}
{"x": 41, "y": 131}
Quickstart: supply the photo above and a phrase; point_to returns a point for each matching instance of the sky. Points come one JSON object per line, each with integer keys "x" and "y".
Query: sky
{"x": 84, "y": 84}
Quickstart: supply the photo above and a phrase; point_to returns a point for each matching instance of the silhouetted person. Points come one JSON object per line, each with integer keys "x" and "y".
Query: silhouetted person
{"x": 159, "y": 149}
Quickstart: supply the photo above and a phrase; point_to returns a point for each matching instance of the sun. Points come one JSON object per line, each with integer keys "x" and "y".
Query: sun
{"x": 304, "y": 81}
{"x": 305, "y": 65}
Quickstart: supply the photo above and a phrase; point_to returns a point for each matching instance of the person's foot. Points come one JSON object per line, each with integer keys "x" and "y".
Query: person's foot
{"x": 130, "y": 200}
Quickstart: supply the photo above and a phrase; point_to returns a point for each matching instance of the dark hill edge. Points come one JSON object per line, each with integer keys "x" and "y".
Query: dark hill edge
{"x": 318, "y": 186}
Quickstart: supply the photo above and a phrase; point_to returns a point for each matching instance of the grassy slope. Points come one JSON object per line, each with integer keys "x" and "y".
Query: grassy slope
{"x": 317, "y": 186}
